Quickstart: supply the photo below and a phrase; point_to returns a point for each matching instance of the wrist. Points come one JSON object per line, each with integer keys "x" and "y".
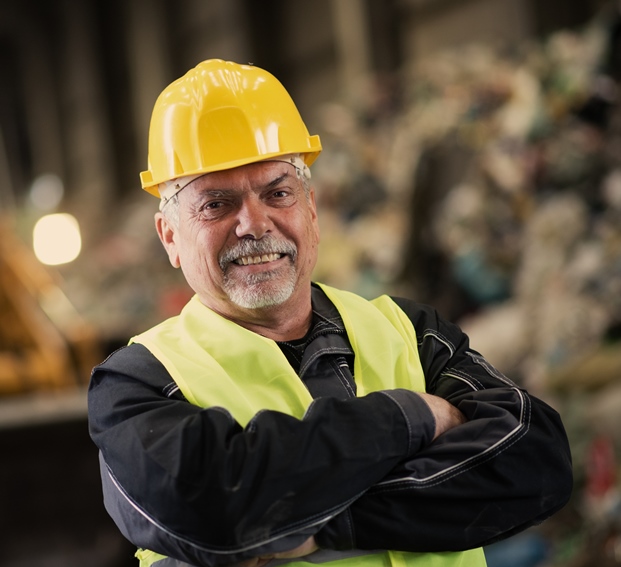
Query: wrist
{"x": 446, "y": 415}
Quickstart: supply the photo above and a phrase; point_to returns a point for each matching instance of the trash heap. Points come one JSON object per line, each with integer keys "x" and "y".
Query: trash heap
{"x": 487, "y": 182}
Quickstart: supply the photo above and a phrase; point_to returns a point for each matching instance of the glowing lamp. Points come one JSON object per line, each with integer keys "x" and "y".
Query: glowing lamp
{"x": 56, "y": 239}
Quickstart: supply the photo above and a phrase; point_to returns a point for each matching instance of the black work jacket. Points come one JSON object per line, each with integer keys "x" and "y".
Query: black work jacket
{"x": 175, "y": 472}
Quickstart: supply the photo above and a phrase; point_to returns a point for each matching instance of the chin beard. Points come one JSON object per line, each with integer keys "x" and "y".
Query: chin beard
{"x": 259, "y": 291}
{"x": 265, "y": 289}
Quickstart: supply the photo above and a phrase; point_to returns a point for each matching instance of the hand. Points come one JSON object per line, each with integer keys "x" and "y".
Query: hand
{"x": 254, "y": 562}
{"x": 446, "y": 414}
{"x": 305, "y": 548}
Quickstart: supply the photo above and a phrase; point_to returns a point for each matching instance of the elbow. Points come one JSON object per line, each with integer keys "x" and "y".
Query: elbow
{"x": 551, "y": 468}
{"x": 550, "y": 483}
{"x": 557, "y": 487}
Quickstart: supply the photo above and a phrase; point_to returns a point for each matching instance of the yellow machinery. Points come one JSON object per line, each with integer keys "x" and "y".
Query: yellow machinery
{"x": 44, "y": 343}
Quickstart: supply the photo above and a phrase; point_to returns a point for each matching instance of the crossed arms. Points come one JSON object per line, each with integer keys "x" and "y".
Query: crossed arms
{"x": 357, "y": 474}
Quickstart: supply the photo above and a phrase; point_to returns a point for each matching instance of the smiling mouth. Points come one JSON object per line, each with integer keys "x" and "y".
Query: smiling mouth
{"x": 258, "y": 252}
{"x": 253, "y": 260}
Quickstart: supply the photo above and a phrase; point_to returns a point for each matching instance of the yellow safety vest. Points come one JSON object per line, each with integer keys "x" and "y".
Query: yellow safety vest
{"x": 215, "y": 362}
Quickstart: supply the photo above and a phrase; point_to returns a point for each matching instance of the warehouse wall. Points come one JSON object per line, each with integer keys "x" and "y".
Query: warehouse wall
{"x": 432, "y": 28}
{"x": 78, "y": 80}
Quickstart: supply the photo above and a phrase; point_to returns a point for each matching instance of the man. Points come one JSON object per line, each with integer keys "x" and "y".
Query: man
{"x": 277, "y": 419}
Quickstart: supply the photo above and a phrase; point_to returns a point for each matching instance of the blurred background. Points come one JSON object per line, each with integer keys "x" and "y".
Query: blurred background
{"x": 472, "y": 160}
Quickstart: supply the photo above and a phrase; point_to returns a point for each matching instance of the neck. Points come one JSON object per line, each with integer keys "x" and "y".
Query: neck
{"x": 285, "y": 322}
{"x": 279, "y": 328}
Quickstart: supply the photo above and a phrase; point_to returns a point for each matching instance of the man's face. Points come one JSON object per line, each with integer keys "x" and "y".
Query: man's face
{"x": 246, "y": 239}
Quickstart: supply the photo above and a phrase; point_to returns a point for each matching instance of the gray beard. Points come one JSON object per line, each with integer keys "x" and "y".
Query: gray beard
{"x": 258, "y": 292}
{"x": 267, "y": 289}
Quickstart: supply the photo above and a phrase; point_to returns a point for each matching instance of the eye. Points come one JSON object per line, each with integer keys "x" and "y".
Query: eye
{"x": 212, "y": 205}
{"x": 281, "y": 197}
{"x": 214, "y": 208}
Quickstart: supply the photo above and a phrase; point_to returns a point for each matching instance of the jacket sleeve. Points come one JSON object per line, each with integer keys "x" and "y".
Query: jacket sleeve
{"x": 192, "y": 484}
{"x": 507, "y": 468}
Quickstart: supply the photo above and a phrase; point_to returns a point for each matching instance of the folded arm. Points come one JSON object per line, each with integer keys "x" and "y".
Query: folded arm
{"x": 193, "y": 484}
{"x": 506, "y": 468}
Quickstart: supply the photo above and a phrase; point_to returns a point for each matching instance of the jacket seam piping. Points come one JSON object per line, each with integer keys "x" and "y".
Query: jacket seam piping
{"x": 463, "y": 377}
{"x": 440, "y": 338}
{"x": 478, "y": 359}
{"x": 320, "y": 352}
{"x": 338, "y": 366}
{"x": 312, "y": 521}
{"x": 441, "y": 476}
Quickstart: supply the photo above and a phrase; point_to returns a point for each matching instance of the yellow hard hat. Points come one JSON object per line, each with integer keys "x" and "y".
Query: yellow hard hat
{"x": 221, "y": 115}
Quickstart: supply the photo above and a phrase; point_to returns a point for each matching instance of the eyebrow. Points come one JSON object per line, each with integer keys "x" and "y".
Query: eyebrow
{"x": 215, "y": 193}
{"x": 277, "y": 181}
{"x": 222, "y": 192}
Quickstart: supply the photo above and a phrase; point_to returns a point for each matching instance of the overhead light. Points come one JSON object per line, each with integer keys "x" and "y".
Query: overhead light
{"x": 56, "y": 239}
{"x": 47, "y": 192}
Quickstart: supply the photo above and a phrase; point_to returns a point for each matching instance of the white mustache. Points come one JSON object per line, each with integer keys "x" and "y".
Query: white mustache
{"x": 266, "y": 245}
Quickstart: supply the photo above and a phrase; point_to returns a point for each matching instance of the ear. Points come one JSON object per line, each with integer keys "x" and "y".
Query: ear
{"x": 167, "y": 234}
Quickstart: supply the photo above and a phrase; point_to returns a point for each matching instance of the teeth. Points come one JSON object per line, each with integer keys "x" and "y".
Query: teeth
{"x": 249, "y": 260}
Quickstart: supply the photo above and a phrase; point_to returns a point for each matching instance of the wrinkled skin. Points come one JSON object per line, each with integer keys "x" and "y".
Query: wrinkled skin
{"x": 246, "y": 206}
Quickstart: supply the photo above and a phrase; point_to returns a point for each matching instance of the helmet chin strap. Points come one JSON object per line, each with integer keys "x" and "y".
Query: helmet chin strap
{"x": 168, "y": 189}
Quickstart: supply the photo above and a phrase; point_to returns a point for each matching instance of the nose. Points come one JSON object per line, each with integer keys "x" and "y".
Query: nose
{"x": 253, "y": 219}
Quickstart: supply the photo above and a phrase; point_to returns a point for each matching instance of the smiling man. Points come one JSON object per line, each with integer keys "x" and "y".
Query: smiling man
{"x": 248, "y": 243}
{"x": 279, "y": 420}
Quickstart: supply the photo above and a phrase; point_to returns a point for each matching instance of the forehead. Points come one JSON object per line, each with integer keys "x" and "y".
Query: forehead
{"x": 254, "y": 175}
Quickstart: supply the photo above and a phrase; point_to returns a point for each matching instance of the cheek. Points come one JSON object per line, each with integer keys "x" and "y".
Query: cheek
{"x": 196, "y": 257}
{"x": 200, "y": 275}
{"x": 314, "y": 234}
{"x": 312, "y": 247}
